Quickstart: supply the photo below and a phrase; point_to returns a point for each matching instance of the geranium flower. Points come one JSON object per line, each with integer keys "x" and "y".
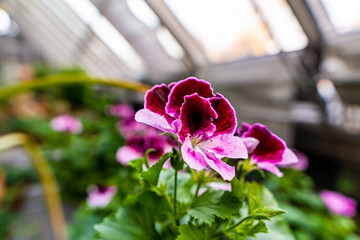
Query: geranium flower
{"x": 136, "y": 146}
{"x": 203, "y": 121}
{"x": 267, "y": 150}
{"x": 66, "y": 123}
{"x": 338, "y": 203}
{"x": 100, "y": 196}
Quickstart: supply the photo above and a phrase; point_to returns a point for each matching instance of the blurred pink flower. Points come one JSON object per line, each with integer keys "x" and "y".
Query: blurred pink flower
{"x": 66, "y": 123}
{"x": 267, "y": 150}
{"x": 338, "y": 203}
{"x": 100, "y": 196}
{"x": 121, "y": 110}
{"x": 136, "y": 147}
{"x": 130, "y": 127}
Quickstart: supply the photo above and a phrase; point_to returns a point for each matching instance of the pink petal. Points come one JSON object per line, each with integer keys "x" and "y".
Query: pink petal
{"x": 288, "y": 158}
{"x": 101, "y": 197}
{"x": 270, "y": 147}
{"x": 226, "y": 186}
{"x": 192, "y": 156}
{"x": 226, "y": 121}
{"x": 126, "y": 154}
{"x": 196, "y": 117}
{"x": 270, "y": 167}
{"x": 250, "y": 143}
{"x": 225, "y": 145}
{"x": 155, "y": 120}
{"x": 226, "y": 171}
{"x": 156, "y": 99}
{"x": 184, "y": 88}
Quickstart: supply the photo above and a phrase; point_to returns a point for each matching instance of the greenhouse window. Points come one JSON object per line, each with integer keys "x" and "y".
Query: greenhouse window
{"x": 107, "y": 33}
{"x": 238, "y": 29}
{"x": 343, "y": 15}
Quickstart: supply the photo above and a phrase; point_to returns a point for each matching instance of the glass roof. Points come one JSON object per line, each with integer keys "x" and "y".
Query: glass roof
{"x": 344, "y": 15}
{"x": 237, "y": 29}
{"x": 107, "y": 33}
{"x": 235, "y": 32}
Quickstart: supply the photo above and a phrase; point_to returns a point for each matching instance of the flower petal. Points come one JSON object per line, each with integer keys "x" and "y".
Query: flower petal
{"x": 183, "y": 88}
{"x": 192, "y": 156}
{"x": 156, "y": 99}
{"x": 225, "y": 145}
{"x": 155, "y": 120}
{"x": 288, "y": 158}
{"x": 126, "y": 154}
{"x": 226, "y": 121}
{"x": 250, "y": 143}
{"x": 270, "y": 167}
{"x": 196, "y": 117}
{"x": 270, "y": 147}
{"x": 226, "y": 171}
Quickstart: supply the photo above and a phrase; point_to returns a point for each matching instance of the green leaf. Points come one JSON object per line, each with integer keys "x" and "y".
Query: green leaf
{"x": 137, "y": 164}
{"x": 152, "y": 174}
{"x": 214, "y": 203}
{"x": 260, "y": 227}
{"x": 127, "y": 224}
{"x": 261, "y": 201}
{"x": 157, "y": 205}
{"x": 190, "y": 232}
{"x": 237, "y": 189}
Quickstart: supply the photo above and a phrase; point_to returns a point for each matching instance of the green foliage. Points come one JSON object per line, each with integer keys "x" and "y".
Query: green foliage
{"x": 152, "y": 174}
{"x": 307, "y": 215}
{"x": 190, "y": 232}
{"x": 131, "y": 223}
{"x": 213, "y": 204}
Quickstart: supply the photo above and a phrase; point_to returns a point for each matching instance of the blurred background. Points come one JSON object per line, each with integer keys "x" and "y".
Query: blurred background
{"x": 293, "y": 65}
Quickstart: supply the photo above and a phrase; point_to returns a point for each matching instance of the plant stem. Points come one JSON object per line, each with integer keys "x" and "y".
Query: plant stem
{"x": 237, "y": 224}
{"x": 175, "y": 192}
{"x": 197, "y": 190}
{"x": 64, "y": 79}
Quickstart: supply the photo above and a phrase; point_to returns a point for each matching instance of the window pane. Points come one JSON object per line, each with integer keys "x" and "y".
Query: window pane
{"x": 343, "y": 14}
{"x": 227, "y": 30}
{"x": 283, "y": 24}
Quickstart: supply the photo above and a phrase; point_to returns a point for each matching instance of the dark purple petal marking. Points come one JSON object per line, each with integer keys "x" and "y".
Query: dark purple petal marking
{"x": 196, "y": 117}
{"x": 156, "y": 99}
{"x": 226, "y": 121}
{"x": 270, "y": 147}
{"x": 184, "y": 88}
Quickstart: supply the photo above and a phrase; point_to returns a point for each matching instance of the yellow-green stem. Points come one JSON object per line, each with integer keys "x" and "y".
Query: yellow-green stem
{"x": 46, "y": 177}
{"x": 65, "y": 79}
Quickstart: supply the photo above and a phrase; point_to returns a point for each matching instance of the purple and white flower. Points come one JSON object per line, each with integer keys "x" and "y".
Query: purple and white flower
{"x": 203, "y": 122}
{"x": 267, "y": 150}
{"x": 338, "y": 203}
{"x": 66, "y": 123}
{"x": 100, "y": 196}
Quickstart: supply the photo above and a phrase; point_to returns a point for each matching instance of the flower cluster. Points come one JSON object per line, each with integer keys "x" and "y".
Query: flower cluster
{"x": 139, "y": 137}
{"x": 203, "y": 122}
